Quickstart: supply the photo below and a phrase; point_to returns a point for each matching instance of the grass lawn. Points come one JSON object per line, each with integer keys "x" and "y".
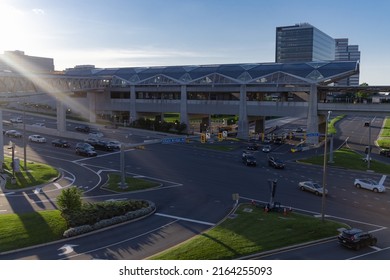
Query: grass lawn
{"x": 18, "y": 231}
{"x": 331, "y": 126}
{"x": 38, "y": 173}
{"x": 251, "y": 232}
{"x": 384, "y": 138}
{"x": 349, "y": 159}
{"x": 133, "y": 184}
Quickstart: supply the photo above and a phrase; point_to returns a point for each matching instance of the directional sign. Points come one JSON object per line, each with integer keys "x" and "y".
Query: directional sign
{"x": 314, "y": 134}
{"x": 173, "y": 140}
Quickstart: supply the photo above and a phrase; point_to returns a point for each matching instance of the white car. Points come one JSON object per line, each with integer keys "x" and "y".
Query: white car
{"x": 37, "y": 138}
{"x": 370, "y": 184}
{"x": 313, "y": 187}
{"x": 39, "y": 125}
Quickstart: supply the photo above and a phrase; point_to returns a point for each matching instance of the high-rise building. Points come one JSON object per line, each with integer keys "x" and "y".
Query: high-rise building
{"x": 303, "y": 42}
{"x": 17, "y": 61}
{"x": 346, "y": 52}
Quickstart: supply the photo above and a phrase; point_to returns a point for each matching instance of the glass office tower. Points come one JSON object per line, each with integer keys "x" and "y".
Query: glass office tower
{"x": 346, "y": 52}
{"x": 303, "y": 42}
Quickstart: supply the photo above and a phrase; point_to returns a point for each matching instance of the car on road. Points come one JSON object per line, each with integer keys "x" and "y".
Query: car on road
{"x": 275, "y": 163}
{"x": 13, "y": 133}
{"x": 37, "y": 138}
{"x": 249, "y": 160}
{"x": 103, "y": 146}
{"x": 252, "y": 147}
{"x": 83, "y": 128}
{"x": 266, "y": 148}
{"x": 85, "y": 151}
{"x": 356, "y": 238}
{"x": 115, "y": 144}
{"x": 385, "y": 152}
{"x": 95, "y": 134}
{"x": 39, "y": 125}
{"x": 312, "y": 187}
{"x": 60, "y": 143}
{"x": 84, "y": 146}
{"x": 369, "y": 184}
{"x": 16, "y": 120}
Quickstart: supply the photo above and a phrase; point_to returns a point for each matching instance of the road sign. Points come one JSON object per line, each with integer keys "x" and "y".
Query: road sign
{"x": 173, "y": 140}
{"x": 313, "y": 134}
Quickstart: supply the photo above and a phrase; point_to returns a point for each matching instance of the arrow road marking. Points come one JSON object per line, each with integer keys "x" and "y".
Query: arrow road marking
{"x": 37, "y": 190}
{"x": 66, "y": 249}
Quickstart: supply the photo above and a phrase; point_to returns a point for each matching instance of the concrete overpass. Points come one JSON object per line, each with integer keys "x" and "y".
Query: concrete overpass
{"x": 251, "y": 91}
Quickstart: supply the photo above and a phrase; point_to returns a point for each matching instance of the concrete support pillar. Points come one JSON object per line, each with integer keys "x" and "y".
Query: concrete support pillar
{"x": 260, "y": 125}
{"x": 183, "y": 106}
{"x": 61, "y": 116}
{"x": 133, "y": 98}
{"x": 91, "y": 107}
{"x": 243, "y": 127}
{"x": 312, "y": 117}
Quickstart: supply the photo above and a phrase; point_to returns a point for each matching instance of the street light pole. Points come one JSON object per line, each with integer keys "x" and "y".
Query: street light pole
{"x": 369, "y": 144}
{"x": 324, "y": 169}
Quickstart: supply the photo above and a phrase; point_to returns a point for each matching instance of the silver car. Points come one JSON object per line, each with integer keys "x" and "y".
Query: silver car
{"x": 369, "y": 185}
{"x": 313, "y": 187}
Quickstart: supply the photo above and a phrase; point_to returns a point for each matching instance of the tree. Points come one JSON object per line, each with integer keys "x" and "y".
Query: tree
{"x": 69, "y": 200}
{"x": 362, "y": 94}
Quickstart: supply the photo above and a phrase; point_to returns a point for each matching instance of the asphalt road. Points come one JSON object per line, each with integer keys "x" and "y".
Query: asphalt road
{"x": 196, "y": 193}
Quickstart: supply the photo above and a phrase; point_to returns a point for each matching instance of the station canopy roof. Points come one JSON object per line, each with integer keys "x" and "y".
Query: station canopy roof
{"x": 322, "y": 73}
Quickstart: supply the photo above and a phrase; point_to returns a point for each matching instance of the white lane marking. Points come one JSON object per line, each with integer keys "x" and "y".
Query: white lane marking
{"x": 185, "y": 219}
{"x": 58, "y": 186}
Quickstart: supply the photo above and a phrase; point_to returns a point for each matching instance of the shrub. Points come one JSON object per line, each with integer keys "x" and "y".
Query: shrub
{"x": 149, "y": 207}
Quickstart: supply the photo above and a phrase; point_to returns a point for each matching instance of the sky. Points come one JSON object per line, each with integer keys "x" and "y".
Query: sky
{"x": 132, "y": 33}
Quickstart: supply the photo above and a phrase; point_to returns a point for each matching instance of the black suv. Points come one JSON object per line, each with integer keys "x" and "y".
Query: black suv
{"x": 356, "y": 238}
{"x": 103, "y": 146}
{"x": 249, "y": 159}
{"x": 275, "y": 163}
{"x": 83, "y": 128}
{"x": 85, "y": 151}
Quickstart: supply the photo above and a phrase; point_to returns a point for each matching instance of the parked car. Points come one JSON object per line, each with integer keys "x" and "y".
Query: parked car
{"x": 37, "y": 138}
{"x": 249, "y": 160}
{"x": 312, "y": 187}
{"x": 83, "y": 128}
{"x": 266, "y": 148}
{"x": 275, "y": 163}
{"x": 13, "y": 133}
{"x": 85, "y": 151}
{"x": 369, "y": 184}
{"x": 356, "y": 238}
{"x": 60, "y": 143}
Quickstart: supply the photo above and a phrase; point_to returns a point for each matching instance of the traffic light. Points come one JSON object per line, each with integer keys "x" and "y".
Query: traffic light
{"x": 203, "y": 138}
{"x": 220, "y": 136}
{"x": 273, "y": 191}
